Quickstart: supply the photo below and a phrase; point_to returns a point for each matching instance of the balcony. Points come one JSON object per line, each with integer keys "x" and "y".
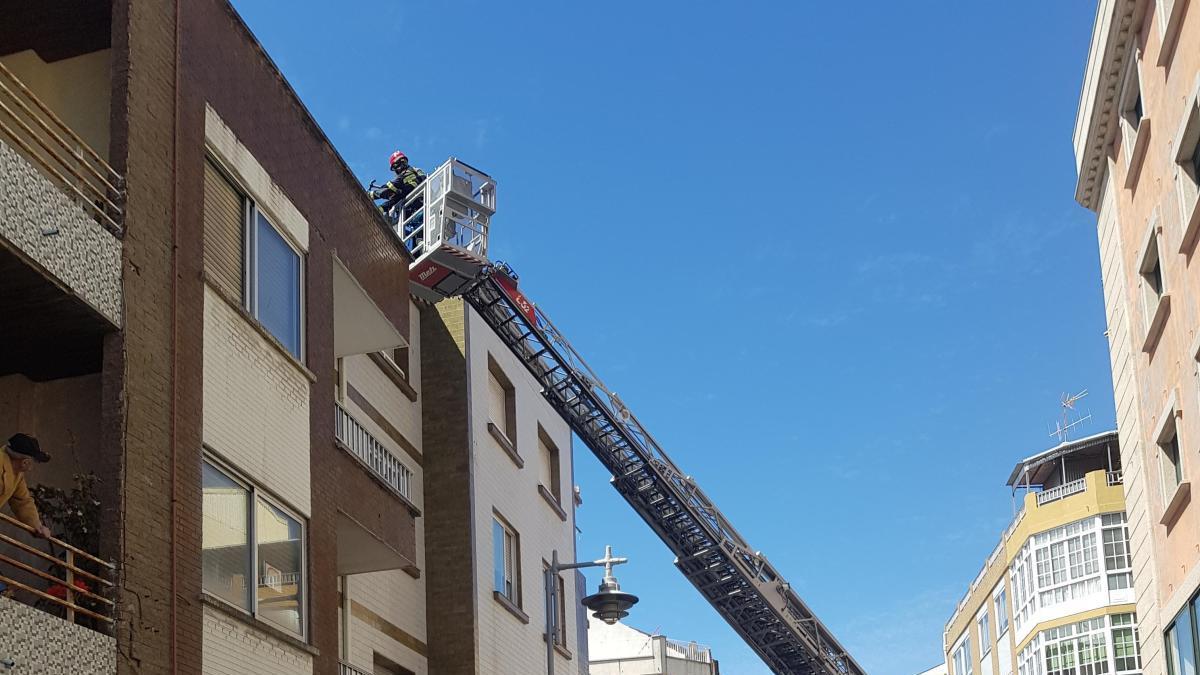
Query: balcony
{"x": 58, "y": 598}
{"x": 364, "y": 447}
{"x": 61, "y": 212}
{"x": 375, "y": 532}
{"x": 347, "y": 669}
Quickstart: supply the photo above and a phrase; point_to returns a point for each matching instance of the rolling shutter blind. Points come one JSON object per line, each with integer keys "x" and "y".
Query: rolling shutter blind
{"x": 222, "y": 233}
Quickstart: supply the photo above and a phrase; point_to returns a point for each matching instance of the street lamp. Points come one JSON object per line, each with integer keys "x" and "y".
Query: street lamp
{"x": 609, "y": 604}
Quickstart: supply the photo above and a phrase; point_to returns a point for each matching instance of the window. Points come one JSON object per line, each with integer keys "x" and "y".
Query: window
{"x": 399, "y": 356}
{"x": 502, "y": 402}
{"x": 1001, "y": 602}
{"x": 549, "y": 458}
{"x": 273, "y": 280}
{"x": 1056, "y": 566}
{"x": 1170, "y": 463}
{"x": 1125, "y": 647}
{"x": 985, "y": 640}
{"x": 1083, "y": 648}
{"x": 1180, "y": 638}
{"x": 1132, "y": 108}
{"x": 1187, "y": 169}
{"x": 1116, "y": 551}
{"x": 506, "y": 545}
{"x": 962, "y": 658}
{"x": 1151, "y": 273}
{"x": 247, "y": 536}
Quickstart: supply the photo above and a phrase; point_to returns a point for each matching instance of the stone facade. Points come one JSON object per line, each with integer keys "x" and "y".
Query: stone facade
{"x": 37, "y": 642}
{"x": 39, "y": 220}
{"x": 1133, "y": 144}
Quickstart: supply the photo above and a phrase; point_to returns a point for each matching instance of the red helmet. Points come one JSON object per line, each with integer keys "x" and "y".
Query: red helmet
{"x": 396, "y": 157}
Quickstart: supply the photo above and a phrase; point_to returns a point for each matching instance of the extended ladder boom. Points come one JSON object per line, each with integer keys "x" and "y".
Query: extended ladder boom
{"x": 738, "y": 581}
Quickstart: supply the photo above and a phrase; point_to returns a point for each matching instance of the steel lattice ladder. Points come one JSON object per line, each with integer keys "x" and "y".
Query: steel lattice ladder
{"x": 739, "y": 582}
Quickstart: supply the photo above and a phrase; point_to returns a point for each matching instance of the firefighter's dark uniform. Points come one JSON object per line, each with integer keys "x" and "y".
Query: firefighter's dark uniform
{"x": 398, "y": 188}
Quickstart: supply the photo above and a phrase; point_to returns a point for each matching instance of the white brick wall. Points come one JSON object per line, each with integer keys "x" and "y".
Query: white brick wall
{"x": 255, "y": 405}
{"x": 506, "y": 645}
{"x": 234, "y": 648}
{"x": 1123, "y": 354}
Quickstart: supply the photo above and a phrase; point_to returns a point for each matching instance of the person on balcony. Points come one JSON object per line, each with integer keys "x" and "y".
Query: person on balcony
{"x": 17, "y": 458}
{"x": 397, "y": 190}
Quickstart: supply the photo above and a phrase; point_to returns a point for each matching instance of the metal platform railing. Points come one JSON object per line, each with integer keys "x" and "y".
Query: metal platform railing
{"x": 368, "y": 450}
{"x": 73, "y": 586}
{"x": 736, "y": 579}
{"x": 453, "y": 206}
{"x": 63, "y": 157}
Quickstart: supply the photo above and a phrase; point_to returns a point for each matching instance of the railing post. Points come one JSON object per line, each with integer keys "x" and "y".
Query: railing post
{"x": 70, "y": 577}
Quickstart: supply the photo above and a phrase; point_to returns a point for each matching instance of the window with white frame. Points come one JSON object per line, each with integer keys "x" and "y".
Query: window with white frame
{"x": 274, "y": 280}
{"x": 1097, "y": 646}
{"x": 963, "y": 663}
{"x": 253, "y": 550}
{"x": 1068, "y": 563}
{"x": 506, "y": 545}
{"x": 985, "y": 640}
{"x": 1117, "y": 562}
{"x": 1132, "y": 106}
{"x": 1001, "y": 603}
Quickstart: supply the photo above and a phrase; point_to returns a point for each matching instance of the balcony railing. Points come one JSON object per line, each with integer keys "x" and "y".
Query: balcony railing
{"x": 1116, "y": 477}
{"x": 347, "y": 669}
{"x": 689, "y": 651}
{"x": 1065, "y": 490}
{"x": 74, "y": 584}
{"x": 368, "y": 450}
{"x": 59, "y": 152}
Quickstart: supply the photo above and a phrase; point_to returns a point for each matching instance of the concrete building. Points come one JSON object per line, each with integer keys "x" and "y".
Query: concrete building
{"x": 1055, "y": 597}
{"x": 215, "y": 321}
{"x": 1136, "y": 137}
{"x": 939, "y": 669}
{"x": 501, "y": 458}
{"x": 624, "y": 650}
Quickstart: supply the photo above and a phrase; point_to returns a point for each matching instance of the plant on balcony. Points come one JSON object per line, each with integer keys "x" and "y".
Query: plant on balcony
{"x": 72, "y": 515}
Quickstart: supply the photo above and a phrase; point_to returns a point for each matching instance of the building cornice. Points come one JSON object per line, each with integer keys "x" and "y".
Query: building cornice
{"x": 1096, "y": 120}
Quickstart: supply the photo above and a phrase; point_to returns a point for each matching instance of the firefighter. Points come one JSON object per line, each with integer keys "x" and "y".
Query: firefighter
{"x": 398, "y": 188}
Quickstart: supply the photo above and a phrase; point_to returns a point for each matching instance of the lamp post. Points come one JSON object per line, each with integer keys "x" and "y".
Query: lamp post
{"x": 609, "y": 604}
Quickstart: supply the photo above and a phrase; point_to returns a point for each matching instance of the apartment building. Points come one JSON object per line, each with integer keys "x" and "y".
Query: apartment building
{"x": 1136, "y": 137}
{"x": 500, "y": 457}
{"x": 211, "y": 318}
{"x": 1055, "y": 597}
{"x": 618, "y": 649}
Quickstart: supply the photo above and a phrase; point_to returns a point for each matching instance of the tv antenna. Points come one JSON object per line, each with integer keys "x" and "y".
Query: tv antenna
{"x": 1071, "y": 417}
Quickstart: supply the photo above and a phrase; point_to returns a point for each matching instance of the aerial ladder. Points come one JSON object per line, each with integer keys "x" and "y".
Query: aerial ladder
{"x": 444, "y": 223}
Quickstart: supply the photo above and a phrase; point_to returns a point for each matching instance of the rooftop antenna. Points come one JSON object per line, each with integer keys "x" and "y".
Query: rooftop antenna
{"x": 1070, "y": 418}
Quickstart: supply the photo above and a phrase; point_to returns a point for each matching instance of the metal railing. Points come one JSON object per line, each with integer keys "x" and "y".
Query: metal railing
{"x": 1065, "y": 490}
{"x": 454, "y": 206}
{"x": 368, "y": 450}
{"x": 347, "y": 669}
{"x": 60, "y": 153}
{"x": 689, "y": 651}
{"x": 76, "y": 583}
{"x": 1115, "y": 477}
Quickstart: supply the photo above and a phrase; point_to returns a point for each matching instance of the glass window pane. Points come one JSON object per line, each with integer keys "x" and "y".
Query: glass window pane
{"x": 226, "y": 537}
{"x": 1185, "y": 649}
{"x": 280, "y": 540}
{"x": 498, "y": 555}
{"x": 278, "y": 281}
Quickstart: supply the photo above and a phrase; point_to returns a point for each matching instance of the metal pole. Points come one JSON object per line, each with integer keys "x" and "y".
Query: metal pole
{"x": 551, "y": 605}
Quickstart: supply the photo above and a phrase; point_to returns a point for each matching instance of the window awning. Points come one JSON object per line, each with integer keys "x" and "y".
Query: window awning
{"x": 359, "y": 326}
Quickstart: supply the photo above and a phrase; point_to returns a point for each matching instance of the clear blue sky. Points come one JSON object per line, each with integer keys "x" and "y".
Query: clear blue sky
{"x": 828, "y": 253}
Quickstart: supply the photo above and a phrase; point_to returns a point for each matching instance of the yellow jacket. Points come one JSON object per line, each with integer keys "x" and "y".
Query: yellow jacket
{"x": 15, "y": 493}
